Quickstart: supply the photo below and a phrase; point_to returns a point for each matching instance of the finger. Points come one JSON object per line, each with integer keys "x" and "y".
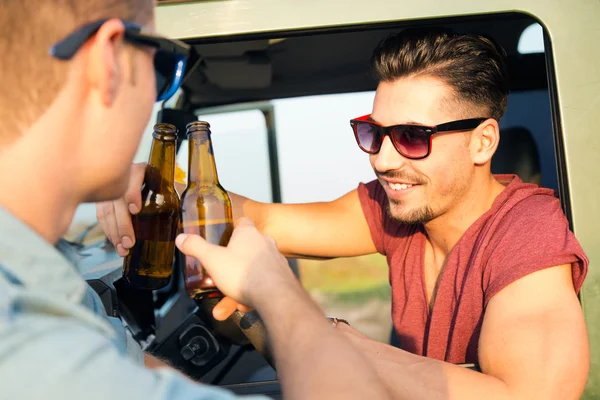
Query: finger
{"x": 242, "y": 226}
{"x": 100, "y": 215}
{"x": 110, "y": 227}
{"x": 107, "y": 215}
{"x": 284, "y": 262}
{"x": 224, "y": 309}
{"x": 270, "y": 240}
{"x": 243, "y": 308}
{"x": 124, "y": 224}
{"x": 209, "y": 255}
{"x": 133, "y": 196}
{"x": 243, "y": 222}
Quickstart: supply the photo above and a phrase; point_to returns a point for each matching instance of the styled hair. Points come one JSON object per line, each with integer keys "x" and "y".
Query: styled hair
{"x": 31, "y": 78}
{"x": 472, "y": 65}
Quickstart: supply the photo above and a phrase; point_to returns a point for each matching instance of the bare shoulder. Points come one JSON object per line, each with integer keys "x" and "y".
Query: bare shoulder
{"x": 534, "y": 336}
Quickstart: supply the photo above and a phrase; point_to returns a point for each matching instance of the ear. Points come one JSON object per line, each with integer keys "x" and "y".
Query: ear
{"x": 484, "y": 141}
{"x": 104, "y": 72}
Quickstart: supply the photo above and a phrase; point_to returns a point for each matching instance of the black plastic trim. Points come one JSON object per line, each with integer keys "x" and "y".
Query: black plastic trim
{"x": 273, "y": 154}
{"x": 353, "y": 27}
{"x": 269, "y": 388}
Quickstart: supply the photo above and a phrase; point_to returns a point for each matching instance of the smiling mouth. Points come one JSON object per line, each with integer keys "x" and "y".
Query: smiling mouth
{"x": 398, "y": 181}
{"x": 399, "y": 186}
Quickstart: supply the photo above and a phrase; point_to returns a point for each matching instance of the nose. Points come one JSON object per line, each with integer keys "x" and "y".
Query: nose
{"x": 388, "y": 158}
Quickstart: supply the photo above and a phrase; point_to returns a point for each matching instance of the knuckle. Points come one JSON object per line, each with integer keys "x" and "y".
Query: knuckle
{"x": 100, "y": 209}
{"x": 109, "y": 211}
{"x": 131, "y": 195}
{"x": 124, "y": 227}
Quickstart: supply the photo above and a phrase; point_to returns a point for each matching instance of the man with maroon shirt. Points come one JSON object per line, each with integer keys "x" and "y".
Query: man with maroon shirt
{"x": 483, "y": 268}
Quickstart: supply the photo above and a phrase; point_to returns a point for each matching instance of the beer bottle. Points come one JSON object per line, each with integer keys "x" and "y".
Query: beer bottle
{"x": 149, "y": 263}
{"x": 205, "y": 206}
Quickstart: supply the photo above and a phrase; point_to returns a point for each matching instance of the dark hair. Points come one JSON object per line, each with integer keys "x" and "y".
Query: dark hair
{"x": 474, "y": 66}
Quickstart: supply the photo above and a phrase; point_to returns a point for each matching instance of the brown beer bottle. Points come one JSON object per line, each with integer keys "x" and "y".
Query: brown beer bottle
{"x": 205, "y": 206}
{"x": 149, "y": 263}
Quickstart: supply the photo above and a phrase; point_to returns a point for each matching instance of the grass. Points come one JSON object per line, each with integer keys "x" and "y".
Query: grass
{"x": 347, "y": 280}
{"x": 381, "y": 292}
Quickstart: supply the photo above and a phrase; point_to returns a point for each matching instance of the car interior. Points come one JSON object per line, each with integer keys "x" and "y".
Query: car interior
{"x": 260, "y": 67}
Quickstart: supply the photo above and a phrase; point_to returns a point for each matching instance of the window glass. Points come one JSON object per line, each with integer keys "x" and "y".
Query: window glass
{"x": 319, "y": 160}
{"x": 241, "y": 152}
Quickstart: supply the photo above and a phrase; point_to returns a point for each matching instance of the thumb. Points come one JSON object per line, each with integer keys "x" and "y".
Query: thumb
{"x": 243, "y": 222}
{"x": 133, "y": 196}
{"x": 242, "y": 226}
{"x": 207, "y": 253}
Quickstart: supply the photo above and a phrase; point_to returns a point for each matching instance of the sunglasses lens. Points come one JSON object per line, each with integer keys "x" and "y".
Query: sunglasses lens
{"x": 165, "y": 65}
{"x": 411, "y": 141}
{"x": 368, "y": 136}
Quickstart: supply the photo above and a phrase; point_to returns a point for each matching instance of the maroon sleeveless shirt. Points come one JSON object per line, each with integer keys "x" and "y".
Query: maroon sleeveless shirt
{"x": 524, "y": 231}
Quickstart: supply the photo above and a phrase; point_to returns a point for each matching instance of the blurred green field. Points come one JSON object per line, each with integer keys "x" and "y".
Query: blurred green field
{"x": 356, "y": 289}
{"x": 347, "y": 279}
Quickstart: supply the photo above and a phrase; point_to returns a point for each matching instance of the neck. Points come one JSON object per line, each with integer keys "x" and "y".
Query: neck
{"x": 162, "y": 161}
{"x": 446, "y": 230}
{"x": 35, "y": 185}
{"x": 202, "y": 168}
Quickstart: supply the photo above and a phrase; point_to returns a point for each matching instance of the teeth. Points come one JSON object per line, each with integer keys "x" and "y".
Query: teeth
{"x": 399, "y": 186}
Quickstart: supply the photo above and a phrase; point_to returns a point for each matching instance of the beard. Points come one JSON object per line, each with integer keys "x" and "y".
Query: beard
{"x": 395, "y": 208}
{"x": 420, "y": 215}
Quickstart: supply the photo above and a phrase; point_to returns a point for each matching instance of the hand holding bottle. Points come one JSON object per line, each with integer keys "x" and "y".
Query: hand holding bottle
{"x": 247, "y": 269}
{"x": 115, "y": 216}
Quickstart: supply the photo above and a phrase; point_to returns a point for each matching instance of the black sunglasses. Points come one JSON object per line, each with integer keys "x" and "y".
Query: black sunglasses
{"x": 412, "y": 141}
{"x": 169, "y": 60}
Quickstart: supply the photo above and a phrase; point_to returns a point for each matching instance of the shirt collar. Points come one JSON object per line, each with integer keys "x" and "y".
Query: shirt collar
{"x": 37, "y": 264}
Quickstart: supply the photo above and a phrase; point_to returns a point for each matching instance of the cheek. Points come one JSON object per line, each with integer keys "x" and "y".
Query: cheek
{"x": 123, "y": 155}
{"x": 144, "y": 103}
{"x": 442, "y": 179}
{"x": 145, "y": 90}
{"x": 449, "y": 170}
{"x": 150, "y": 78}
{"x": 122, "y": 144}
{"x": 151, "y": 87}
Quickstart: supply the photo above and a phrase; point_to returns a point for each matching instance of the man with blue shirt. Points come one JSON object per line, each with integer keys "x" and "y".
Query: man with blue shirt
{"x": 77, "y": 92}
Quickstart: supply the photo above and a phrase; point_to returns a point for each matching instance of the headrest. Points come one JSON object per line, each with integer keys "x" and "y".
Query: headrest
{"x": 518, "y": 154}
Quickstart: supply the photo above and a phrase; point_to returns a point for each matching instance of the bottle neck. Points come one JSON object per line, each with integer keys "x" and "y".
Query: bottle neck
{"x": 202, "y": 169}
{"x": 162, "y": 159}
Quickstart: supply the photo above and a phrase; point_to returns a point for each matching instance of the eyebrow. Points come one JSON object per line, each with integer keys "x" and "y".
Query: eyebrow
{"x": 406, "y": 123}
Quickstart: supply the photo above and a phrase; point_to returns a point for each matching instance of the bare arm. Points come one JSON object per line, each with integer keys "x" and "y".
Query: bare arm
{"x": 312, "y": 230}
{"x": 314, "y": 360}
{"x": 533, "y": 344}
